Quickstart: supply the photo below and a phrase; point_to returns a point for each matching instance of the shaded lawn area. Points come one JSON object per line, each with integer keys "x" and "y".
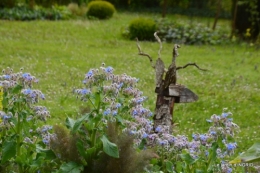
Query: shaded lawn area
{"x": 60, "y": 53}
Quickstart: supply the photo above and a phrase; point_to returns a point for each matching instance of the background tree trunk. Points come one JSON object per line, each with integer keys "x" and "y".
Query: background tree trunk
{"x": 164, "y": 8}
{"x": 219, "y": 7}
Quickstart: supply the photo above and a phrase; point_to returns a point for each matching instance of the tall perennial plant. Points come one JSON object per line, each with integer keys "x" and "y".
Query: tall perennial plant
{"x": 109, "y": 98}
{"x": 22, "y": 138}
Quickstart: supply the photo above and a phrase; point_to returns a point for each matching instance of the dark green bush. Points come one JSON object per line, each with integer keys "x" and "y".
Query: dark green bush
{"x": 100, "y": 9}
{"x": 142, "y": 28}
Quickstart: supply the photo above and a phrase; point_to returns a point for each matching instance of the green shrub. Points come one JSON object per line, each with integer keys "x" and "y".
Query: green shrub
{"x": 24, "y": 13}
{"x": 77, "y": 10}
{"x": 100, "y": 9}
{"x": 190, "y": 34}
{"x": 142, "y": 28}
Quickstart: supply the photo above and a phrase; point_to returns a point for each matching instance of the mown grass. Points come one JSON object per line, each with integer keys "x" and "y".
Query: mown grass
{"x": 60, "y": 53}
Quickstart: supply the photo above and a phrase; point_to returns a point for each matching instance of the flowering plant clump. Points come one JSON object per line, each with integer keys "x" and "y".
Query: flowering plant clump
{"x": 111, "y": 98}
{"x": 27, "y": 146}
{"x": 208, "y": 151}
{"x": 115, "y": 98}
{"x": 21, "y": 138}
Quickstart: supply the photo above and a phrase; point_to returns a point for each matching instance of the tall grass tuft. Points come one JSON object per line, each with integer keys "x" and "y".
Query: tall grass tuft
{"x": 64, "y": 144}
{"x": 129, "y": 160}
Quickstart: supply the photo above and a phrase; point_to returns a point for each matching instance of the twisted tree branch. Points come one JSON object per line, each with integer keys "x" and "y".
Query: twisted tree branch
{"x": 191, "y": 64}
{"x": 160, "y": 42}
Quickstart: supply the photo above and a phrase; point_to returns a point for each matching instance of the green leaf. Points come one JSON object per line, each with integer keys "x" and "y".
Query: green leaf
{"x": 17, "y": 89}
{"x": 199, "y": 171}
{"x": 79, "y": 122}
{"x": 74, "y": 125}
{"x": 169, "y": 166}
{"x": 120, "y": 119}
{"x": 109, "y": 148}
{"x": 187, "y": 158}
{"x": 251, "y": 155}
{"x": 142, "y": 144}
{"x": 91, "y": 153}
{"x": 81, "y": 148}
{"x": 154, "y": 161}
{"x": 71, "y": 167}
{"x": 47, "y": 153}
{"x": 9, "y": 150}
{"x": 212, "y": 156}
{"x": 69, "y": 122}
{"x": 5, "y": 100}
{"x": 97, "y": 100}
{"x": 179, "y": 166}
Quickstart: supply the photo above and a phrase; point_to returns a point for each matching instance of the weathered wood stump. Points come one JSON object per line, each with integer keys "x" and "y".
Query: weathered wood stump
{"x": 166, "y": 100}
{"x": 167, "y": 89}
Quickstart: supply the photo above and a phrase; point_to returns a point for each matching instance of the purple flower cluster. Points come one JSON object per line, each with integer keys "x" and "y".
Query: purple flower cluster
{"x": 41, "y": 112}
{"x": 10, "y": 79}
{"x": 223, "y": 125}
{"x": 120, "y": 97}
{"x": 4, "y": 120}
{"x": 45, "y": 134}
{"x": 33, "y": 96}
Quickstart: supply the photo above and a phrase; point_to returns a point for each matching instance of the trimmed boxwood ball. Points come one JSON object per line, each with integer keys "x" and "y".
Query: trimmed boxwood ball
{"x": 100, "y": 9}
{"x": 142, "y": 28}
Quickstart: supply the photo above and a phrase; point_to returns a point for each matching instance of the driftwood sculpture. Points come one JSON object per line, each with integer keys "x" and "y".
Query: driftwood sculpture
{"x": 167, "y": 89}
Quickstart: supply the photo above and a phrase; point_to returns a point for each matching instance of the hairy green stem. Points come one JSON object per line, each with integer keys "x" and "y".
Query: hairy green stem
{"x": 19, "y": 134}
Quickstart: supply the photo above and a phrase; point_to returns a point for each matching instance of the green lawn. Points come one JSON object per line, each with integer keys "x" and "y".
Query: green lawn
{"x": 60, "y": 53}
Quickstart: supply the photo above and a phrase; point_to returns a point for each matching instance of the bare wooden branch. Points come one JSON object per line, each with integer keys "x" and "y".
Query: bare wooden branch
{"x": 144, "y": 54}
{"x": 175, "y": 53}
{"x": 160, "y": 42}
{"x": 191, "y": 64}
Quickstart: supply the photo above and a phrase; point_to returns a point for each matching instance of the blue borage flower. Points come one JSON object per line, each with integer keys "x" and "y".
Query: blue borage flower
{"x": 203, "y": 137}
{"x": 85, "y": 91}
{"x": 107, "y": 112}
{"x": 89, "y": 74}
{"x": 26, "y": 75}
{"x": 158, "y": 129}
{"x": 109, "y": 69}
{"x": 46, "y": 128}
{"x": 144, "y": 135}
{"x": 195, "y": 137}
{"x": 212, "y": 132}
{"x": 114, "y": 112}
{"x": 7, "y": 77}
{"x": 27, "y": 91}
{"x": 224, "y": 115}
{"x": 118, "y": 105}
{"x": 231, "y": 146}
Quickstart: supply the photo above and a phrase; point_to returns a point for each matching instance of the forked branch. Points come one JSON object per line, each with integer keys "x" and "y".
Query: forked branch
{"x": 190, "y": 64}
{"x": 144, "y": 54}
